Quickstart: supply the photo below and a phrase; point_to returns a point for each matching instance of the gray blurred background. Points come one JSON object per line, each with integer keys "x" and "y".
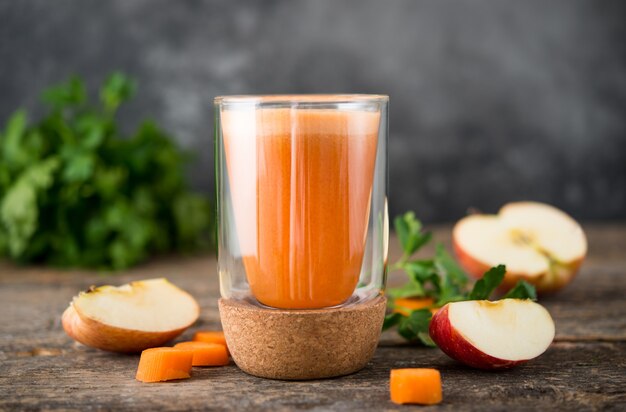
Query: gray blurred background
{"x": 491, "y": 101}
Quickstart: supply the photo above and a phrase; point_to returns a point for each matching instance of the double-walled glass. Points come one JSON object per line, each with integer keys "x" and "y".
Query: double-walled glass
{"x": 302, "y": 199}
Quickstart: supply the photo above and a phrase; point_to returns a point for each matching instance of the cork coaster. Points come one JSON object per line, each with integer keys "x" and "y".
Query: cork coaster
{"x": 301, "y": 344}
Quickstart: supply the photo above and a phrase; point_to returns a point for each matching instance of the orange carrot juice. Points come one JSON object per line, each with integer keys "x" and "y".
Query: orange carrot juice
{"x": 301, "y": 182}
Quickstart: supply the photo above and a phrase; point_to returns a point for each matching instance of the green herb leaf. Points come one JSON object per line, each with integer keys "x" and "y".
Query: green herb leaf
{"x": 117, "y": 89}
{"x": 391, "y": 320}
{"x": 420, "y": 270}
{"x": 424, "y": 337}
{"x": 79, "y": 167}
{"x": 408, "y": 290}
{"x": 485, "y": 286}
{"x": 18, "y": 210}
{"x": 521, "y": 290}
{"x": 409, "y": 231}
{"x": 415, "y": 326}
{"x": 454, "y": 275}
{"x": 12, "y": 151}
{"x": 424, "y": 274}
{"x": 92, "y": 129}
{"x": 19, "y": 215}
{"x": 452, "y": 279}
{"x": 66, "y": 95}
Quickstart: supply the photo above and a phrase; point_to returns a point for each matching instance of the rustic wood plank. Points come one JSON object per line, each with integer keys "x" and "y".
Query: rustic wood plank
{"x": 40, "y": 367}
{"x": 581, "y": 376}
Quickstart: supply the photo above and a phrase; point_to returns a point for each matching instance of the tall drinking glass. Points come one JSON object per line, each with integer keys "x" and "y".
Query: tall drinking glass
{"x": 302, "y": 199}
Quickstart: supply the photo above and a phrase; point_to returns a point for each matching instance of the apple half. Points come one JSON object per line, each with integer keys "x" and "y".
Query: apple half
{"x": 131, "y": 317}
{"x": 492, "y": 335}
{"x": 537, "y": 242}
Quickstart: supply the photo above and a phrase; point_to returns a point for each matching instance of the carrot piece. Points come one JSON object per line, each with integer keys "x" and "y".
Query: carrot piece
{"x": 210, "y": 336}
{"x": 206, "y": 354}
{"x": 164, "y": 364}
{"x": 404, "y": 306}
{"x": 421, "y": 386}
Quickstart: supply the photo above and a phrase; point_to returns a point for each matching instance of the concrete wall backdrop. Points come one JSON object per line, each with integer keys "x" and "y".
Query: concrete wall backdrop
{"x": 491, "y": 100}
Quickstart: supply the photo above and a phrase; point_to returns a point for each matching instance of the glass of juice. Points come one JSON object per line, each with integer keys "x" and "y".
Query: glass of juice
{"x": 301, "y": 199}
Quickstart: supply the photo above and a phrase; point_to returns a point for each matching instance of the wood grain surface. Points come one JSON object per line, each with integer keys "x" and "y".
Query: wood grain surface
{"x": 43, "y": 369}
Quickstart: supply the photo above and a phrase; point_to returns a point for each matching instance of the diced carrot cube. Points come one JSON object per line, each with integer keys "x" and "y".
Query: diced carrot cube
{"x": 210, "y": 336}
{"x": 164, "y": 364}
{"x": 422, "y": 386}
{"x": 404, "y": 306}
{"x": 206, "y": 354}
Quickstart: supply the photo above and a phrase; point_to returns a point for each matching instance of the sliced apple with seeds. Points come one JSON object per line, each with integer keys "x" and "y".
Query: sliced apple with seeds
{"x": 537, "y": 243}
{"x": 131, "y": 317}
{"x": 492, "y": 335}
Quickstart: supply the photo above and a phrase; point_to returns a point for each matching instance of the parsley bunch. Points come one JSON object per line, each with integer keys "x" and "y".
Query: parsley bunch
{"x": 75, "y": 192}
{"x": 439, "y": 278}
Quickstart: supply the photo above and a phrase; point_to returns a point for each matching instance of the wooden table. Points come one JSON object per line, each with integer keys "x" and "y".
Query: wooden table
{"x": 41, "y": 368}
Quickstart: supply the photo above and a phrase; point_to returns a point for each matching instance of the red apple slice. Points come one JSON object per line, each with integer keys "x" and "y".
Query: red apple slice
{"x": 537, "y": 243}
{"x": 492, "y": 335}
{"x": 132, "y": 317}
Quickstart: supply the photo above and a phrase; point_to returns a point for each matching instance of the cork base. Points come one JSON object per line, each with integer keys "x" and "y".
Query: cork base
{"x": 301, "y": 344}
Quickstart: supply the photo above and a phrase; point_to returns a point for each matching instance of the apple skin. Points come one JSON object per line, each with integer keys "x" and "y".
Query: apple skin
{"x": 544, "y": 283}
{"x": 98, "y": 335}
{"x": 455, "y": 346}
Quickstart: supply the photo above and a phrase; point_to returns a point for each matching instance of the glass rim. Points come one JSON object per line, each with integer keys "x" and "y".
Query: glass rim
{"x": 307, "y": 99}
